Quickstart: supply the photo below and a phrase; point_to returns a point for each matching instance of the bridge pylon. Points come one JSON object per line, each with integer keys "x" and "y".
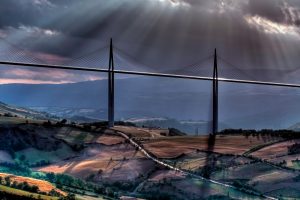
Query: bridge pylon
{"x": 111, "y": 87}
{"x": 215, "y": 95}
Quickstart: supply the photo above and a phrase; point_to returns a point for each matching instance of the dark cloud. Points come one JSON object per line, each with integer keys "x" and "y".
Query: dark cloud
{"x": 280, "y": 11}
{"x": 16, "y": 12}
{"x": 271, "y": 9}
{"x": 261, "y": 38}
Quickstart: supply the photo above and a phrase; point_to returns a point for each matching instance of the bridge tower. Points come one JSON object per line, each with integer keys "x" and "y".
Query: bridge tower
{"x": 111, "y": 87}
{"x": 215, "y": 95}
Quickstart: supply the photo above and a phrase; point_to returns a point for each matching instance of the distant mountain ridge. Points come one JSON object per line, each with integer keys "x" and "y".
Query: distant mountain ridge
{"x": 190, "y": 127}
{"x": 240, "y": 105}
{"x": 10, "y": 110}
{"x": 295, "y": 127}
{"x": 75, "y": 114}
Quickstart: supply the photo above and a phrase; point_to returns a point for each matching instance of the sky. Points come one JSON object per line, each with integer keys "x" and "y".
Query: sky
{"x": 255, "y": 39}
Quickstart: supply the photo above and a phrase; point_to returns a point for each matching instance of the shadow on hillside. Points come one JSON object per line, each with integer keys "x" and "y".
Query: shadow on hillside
{"x": 209, "y": 163}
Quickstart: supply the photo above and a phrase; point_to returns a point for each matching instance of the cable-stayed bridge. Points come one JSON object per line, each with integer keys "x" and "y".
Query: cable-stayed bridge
{"x": 113, "y": 60}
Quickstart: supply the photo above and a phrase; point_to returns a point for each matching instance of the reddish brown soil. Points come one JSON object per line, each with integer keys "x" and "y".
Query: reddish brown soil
{"x": 172, "y": 147}
{"x": 43, "y": 186}
{"x": 110, "y": 140}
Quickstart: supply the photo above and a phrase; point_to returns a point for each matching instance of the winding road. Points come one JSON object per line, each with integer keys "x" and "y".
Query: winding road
{"x": 132, "y": 142}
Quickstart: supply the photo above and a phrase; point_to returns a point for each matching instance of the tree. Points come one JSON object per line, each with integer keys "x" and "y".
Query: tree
{"x": 50, "y": 177}
{"x": 34, "y": 189}
{"x": 22, "y": 158}
{"x": 8, "y": 115}
{"x": 70, "y": 197}
{"x": 294, "y": 149}
{"x": 7, "y": 181}
{"x": 47, "y": 123}
{"x": 54, "y": 193}
{"x": 15, "y": 185}
{"x": 87, "y": 127}
{"x": 100, "y": 171}
{"x": 64, "y": 121}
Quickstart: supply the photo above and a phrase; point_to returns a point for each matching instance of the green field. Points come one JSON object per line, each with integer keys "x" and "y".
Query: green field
{"x": 17, "y": 120}
{"x": 24, "y": 193}
{"x": 286, "y": 193}
{"x": 230, "y": 192}
{"x": 296, "y": 164}
{"x": 75, "y": 135}
{"x": 33, "y": 156}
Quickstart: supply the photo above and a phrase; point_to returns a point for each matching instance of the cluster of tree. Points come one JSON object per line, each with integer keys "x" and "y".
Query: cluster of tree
{"x": 297, "y": 178}
{"x": 70, "y": 196}
{"x": 16, "y": 168}
{"x": 126, "y": 186}
{"x": 85, "y": 126}
{"x": 9, "y": 115}
{"x": 58, "y": 124}
{"x": 21, "y": 186}
{"x": 41, "y": 163}
{"x": 287, "y": 134}
{"x": 175, "y": 132}
{"x": 61, "y": 123}
{"x": 64, "y": 122}
{"x": 63, "y": 180}
{"x": 77, "y": 147}
{"x": 34, "y": 189}
{"x": 9, "y": 196}
{"x": 158, "y": 196}
{"x": 207, "y": 170}
{"x": 47, "y": 123}
{"x": 241, "y": 185}
{"x": 155, "y": 191}
{"x": 282, "y": 163}
{"x": 104, "y": 124}
{"x": 219, "y": 197}
{"x": 12, "y": 143}
{"x": 294, "y": 149}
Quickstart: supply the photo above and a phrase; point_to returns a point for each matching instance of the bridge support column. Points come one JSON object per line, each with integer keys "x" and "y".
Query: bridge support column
{"x": 111, "y": 87}
{"x": 215, "y": 95}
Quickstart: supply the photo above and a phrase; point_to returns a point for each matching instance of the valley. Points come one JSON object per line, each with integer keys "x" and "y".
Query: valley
{"x": 66, "y": 159}
{"x": 90, "y": 161}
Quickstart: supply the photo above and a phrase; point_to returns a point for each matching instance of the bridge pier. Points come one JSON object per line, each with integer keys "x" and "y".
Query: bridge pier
{"x": 215, "y": 95}
{"x": 111, "y": 87}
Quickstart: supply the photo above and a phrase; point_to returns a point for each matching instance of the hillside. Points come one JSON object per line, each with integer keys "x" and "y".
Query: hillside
{"x": 295, "y": 127}
{"x": 156, "y": 98}
{"x": 22, "y": 112}
{"x": 190, "y": 127}
{"x": 43, "y": 186}
{"x": 93, "y": 161}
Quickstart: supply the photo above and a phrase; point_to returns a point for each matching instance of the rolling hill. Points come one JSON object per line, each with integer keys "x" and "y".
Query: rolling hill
{"x": 11, "y": 110}
{"x": 240, "y": 106}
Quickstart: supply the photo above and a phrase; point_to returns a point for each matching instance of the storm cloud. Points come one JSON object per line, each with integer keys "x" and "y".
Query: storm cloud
{"x": 256, "y": 39}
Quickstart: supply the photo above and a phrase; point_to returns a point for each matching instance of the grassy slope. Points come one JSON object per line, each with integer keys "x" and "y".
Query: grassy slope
{"x": 44, "y": 186}
{"x": 24, "y": 193}
{"x": 17, "y": 120}
{"x": 33, "y": 155}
